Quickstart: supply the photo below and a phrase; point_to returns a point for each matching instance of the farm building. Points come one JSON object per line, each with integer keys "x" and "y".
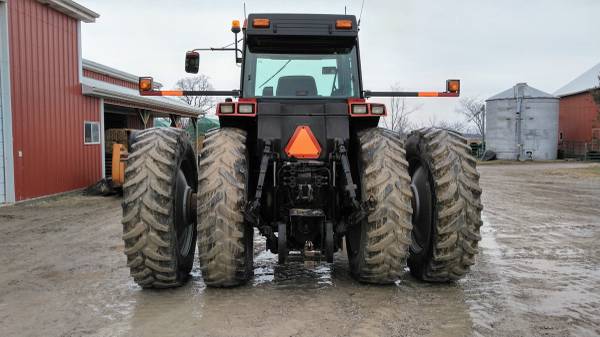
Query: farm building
{"x": 579, "y": 115}
{"x": 522, "y": 124}
{"x": 55, "y": 106}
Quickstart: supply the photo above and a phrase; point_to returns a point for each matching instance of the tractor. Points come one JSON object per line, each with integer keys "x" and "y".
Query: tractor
{"x": 299, "y": 156}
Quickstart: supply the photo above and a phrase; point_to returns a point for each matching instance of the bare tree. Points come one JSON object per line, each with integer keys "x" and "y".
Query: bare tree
{"x": 474, "y": 111}
{"x": 596, "y": 96}
{"x": 197, "y": 83}
{"x": 399, "y": 112}
{"x": 456, "y": 126}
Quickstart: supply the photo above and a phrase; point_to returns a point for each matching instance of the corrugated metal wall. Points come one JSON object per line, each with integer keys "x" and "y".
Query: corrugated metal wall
{"x": 109, "y": 79}
{"x": 3, "y": 92}
{"x": 48, "y": 108}
{"x": 2, "y": 180}
{"x": 578, "y": 115}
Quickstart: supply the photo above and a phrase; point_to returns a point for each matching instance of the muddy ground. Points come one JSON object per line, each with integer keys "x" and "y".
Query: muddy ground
{"x": 62, "y": 273}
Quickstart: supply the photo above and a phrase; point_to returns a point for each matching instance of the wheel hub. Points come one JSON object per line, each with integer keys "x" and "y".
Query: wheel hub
{"x": 422, "y": 205}
{"x": 185, "y": 211}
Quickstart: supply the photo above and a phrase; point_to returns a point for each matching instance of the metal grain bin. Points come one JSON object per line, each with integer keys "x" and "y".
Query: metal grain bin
{"x": 522, "y": 124}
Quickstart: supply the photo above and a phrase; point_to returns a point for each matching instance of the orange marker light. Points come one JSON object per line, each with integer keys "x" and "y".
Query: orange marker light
{"x": 343, "y": 24}
{"x": 235, "y": 26}
{"x": 303, "y": 144}
{"x": 261, "y": 23}
{"x": 145, "y": 83}
{"x": 453, "y": 86}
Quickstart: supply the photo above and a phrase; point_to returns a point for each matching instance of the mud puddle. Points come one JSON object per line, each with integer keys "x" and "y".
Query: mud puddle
{"x": 62, "y": 271}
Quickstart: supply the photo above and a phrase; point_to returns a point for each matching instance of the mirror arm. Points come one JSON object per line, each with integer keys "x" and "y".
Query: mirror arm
{"x": 238, "y": 60}
{"x": 368, "y": 93}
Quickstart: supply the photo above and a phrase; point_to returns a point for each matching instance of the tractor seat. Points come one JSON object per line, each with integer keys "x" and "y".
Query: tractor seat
{"x": 296, "y": 86}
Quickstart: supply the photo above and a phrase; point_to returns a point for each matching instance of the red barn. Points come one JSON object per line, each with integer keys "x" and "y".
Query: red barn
{"x": 55, "y": 106}
{"x": 579, "y": 115}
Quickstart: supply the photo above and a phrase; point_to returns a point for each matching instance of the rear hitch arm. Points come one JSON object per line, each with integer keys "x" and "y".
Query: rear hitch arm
{"x": 361, "y": 209}
{"x": 252, "y": 212}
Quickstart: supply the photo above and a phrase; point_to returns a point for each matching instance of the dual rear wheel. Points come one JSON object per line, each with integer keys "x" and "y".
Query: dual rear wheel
{"x": 426, "y": 211}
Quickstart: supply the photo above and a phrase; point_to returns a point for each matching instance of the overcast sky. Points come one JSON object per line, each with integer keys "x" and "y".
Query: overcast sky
{"x": 489, "y": 45}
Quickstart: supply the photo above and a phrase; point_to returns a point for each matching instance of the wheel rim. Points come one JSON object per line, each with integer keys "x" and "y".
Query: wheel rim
{"x": 184, "y": 222}
{"x": 422, "y": 209}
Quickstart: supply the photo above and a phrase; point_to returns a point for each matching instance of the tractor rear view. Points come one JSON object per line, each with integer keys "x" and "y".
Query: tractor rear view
{"x": 300, "y": 157}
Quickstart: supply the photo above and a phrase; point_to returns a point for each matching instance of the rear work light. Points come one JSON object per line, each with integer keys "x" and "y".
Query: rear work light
{"x": 343, "y": 24}
{"x": 360, "y": 109}
{"x": 378, "y": 109}
{"x": 226, "y": 108}
{"x": 246, "y": 108}
{"x": 261, "y": 23}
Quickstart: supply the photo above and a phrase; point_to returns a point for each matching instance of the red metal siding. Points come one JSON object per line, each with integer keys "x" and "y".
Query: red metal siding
{"x": 577, "y": 117}
{"x": 48, "y": 108}
{"x": 109, "y": 79}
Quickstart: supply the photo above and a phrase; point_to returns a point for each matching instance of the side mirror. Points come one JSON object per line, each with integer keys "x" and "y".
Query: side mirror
{"x": 192, "y": 62}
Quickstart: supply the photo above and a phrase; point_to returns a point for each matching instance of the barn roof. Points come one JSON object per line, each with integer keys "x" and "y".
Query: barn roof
{"x": 582, "y": 83}
{"x": 72, "y": 9}
{"x": 528, "y": 92}
{"x": 112, "y": 72}
{"x": 167, "y": 105}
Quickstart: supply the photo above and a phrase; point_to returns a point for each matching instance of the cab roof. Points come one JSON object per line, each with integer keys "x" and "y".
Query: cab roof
{"x": 314, "y": 25}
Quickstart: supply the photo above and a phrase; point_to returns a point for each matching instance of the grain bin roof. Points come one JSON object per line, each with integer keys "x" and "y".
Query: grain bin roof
{"x": 528, "y": 92}
{"x": 582, "y": 83}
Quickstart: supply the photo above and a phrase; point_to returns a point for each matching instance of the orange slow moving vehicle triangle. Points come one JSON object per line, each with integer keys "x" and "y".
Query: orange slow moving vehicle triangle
{"x": 303, "y": 144}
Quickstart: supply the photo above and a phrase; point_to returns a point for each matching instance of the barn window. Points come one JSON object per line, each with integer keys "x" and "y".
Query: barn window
{"x": 91, "y": 133}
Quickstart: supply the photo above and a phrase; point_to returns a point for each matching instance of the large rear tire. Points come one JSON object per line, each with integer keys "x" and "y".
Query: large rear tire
{"x": 226, "y": 240}
{"x": 378, "y": 248}
{"x": 159, "y": 234}
{"x": 447, "y": 217}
